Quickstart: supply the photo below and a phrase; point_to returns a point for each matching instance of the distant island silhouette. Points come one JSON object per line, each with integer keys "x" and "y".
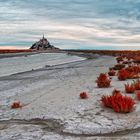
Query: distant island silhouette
{"x": 43, "y": 44}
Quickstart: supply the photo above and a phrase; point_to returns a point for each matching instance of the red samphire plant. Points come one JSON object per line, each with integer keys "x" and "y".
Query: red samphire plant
{"x": 115, "y": 91}
{"x": 123, "y": 75}
{"x": 119, "y": 59}
{"x": 111, "y": 73}
{"x": 137, "y": 59}
{"x": 137, "y": 85}
{"x": 119, "y": 103}
{"x": 83, "y": 95}
{"x": 129, "y": 88}
{"x": 103, "y": 81}
{"x": 119, "y": 66}
{"x": 126, "y": 62}
{"x": 16, "y": 105}
{"x": 133, "y": 69}
{"x": 138, "y": 95}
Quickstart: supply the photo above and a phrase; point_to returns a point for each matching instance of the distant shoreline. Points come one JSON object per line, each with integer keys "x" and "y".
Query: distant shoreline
{"x": 106, "y": 52}
{"x": 89, "y": 54}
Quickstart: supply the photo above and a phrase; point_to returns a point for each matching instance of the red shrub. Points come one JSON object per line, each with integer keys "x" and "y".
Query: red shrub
{"x": 123, "y": 75}
{"x": 16, "y": 105}
{"x": 127, "y": 62}
{"x": 115, "y": 91}
{"x": 133, "y": 76}
{"x": 111, "y": 73}
{"x": 129, "y": 88}
{"x": 119, "y": 103}
{"x": 111, "y": 68}
{"x": 119, "y": 66}
{"x": 106, "y": 101}
{"x": 119, "y": 59}
{"x": 137, "y": 59}
{"x": 122, "y": 104}
{"x": 129, "y": 58}
{"x": 133, "y": 69}
{"x": 137, "y": 85}
{"x": 138, "y": 95}
{"x": 83, "y": 95}
{"x": 103, "y": 81}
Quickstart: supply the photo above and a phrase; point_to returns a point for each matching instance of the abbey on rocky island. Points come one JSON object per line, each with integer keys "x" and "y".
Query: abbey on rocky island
{"x": 43, "y": 44}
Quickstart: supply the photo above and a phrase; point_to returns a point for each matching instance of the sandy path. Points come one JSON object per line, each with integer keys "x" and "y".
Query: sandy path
{"x": 52, "y": 95}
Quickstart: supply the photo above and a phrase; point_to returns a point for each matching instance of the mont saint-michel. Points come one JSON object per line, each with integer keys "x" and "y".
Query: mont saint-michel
{"x": 43, "y": 44}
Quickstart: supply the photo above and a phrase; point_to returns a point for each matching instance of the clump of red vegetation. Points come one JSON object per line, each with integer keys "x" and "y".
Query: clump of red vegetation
{"x": 83, "y": 95}
{"x": 136, "y": 59}
{"x": 129, "y": 88}
{"x": 111, "y": 68}
{"x": 119, "y": 59}
{"x": 107, "y": 101}
{"x": 137, "y": 84}
{"x": 126, "y": 62}
{"x": 123, "y": 75}
{"x": 133, "y": 76}
{"x": 111, "y": 73}
{"x": 119, "y": 66}
{"x": 138, "y": 95}
{"x": 103, "y": 81}
{"x": 133, "y": 69}
{"x": 16, "y": 105}
{"x": 119, "y": 103}
{"x": 115, "y": 91}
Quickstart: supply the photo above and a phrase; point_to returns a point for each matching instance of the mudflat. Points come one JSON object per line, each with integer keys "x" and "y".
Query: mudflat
{"x": 52, "y": 108}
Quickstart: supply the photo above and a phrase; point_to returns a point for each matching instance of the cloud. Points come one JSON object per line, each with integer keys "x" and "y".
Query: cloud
{"x": 71, "y": 23}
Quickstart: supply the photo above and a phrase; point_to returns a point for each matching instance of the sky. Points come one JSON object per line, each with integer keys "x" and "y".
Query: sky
{"x": 71, "y": 24}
